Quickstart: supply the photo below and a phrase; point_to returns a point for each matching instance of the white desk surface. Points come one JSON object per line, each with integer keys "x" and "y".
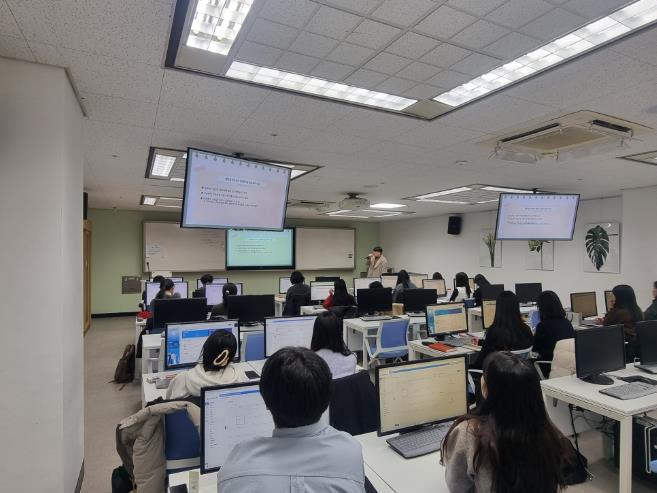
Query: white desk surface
{"x": 362, "y": 325}
{"x": 140, "y": 321}
{"x": 418, "y": 347}
{"x": 151, "y": 341}
{"x": 524, "y": 310}
{"x": 312, "y": 310}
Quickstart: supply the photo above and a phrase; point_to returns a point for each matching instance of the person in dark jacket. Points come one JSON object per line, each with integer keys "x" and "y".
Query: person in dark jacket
{"x": 481, "y": 281}
{"x": 553, "y": 327}
{"x": 220, "y": 311}
{"x": 299, "y": 289}
{"x": 339, "y": 296}
{"x": 625, "y": 312}
{"x": 205, "y": 280}
{"x": 651, "y": 312}
{"x": 508, "y": 332}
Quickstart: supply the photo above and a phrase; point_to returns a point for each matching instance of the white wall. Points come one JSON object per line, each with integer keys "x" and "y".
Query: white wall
{"x": 41, "y": 369}
{"x": 423, "y": 245}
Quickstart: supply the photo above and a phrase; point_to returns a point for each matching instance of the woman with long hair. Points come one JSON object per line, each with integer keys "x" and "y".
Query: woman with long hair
{"x": 461, "y": 287}
{"x": 625, "y": 312}
{"x": 481, "y": 281}
{"x": 553, "y": 327}
{"x": 339, "y": 295}
{"x": 403, "y": 283}
{"x": 328, "y": 343}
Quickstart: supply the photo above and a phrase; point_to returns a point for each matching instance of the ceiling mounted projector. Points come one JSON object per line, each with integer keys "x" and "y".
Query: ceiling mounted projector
{"x": 353, "y": 202}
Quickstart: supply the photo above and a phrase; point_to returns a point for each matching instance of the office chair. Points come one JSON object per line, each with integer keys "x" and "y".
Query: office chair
{"x": 253, "y": 346}
{"x": 182, "y": 445}
{"x": 293, "y": 305}
{"x": 390, "y": 341}
{"x": 344, "y": 311}
{"x": 353, "y": 404}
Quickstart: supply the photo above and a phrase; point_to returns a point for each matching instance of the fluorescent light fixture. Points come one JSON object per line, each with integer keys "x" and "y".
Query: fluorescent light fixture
{"x": 487, "y": 201}
{"x": 317, "y": 87}
{"x": 146, "y": 200}
{"x": 162, "y": 165}
{"x": 216, "y": 23}
{"x": 160, "y": 201}
{"x": 442, "y": 193}
{"x": 338, "y": 212}
{"x": 384, "y": 205}
{"x": 444, "y": 201}
{"x": 177, "y": 179}
{"x": 573, "y": 44}
{"x": 362, "y": 214}
{"x": 172, "y": 206}
{"x": 505, "y": 190}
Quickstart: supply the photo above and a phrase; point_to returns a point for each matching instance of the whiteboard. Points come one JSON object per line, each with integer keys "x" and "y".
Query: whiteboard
{"x": 325, "y": 248}
{"x": 169, "y": 247}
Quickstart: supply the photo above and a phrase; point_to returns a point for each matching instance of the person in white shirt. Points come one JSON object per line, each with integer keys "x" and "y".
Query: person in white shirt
{"x": 214, "y": 369}
{"x": 303, "y": 455}
{"x": 377, "y": 264}
{"x": 328, "y": 343}
{"x": 462, "y": 289}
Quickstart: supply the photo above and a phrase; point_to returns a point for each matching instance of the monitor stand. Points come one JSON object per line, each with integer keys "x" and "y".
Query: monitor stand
{"x": 599, "y": 379}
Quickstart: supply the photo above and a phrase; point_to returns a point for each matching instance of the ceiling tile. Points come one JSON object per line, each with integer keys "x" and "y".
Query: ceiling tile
{"x": 445, "y": 55}
{"x": 387, "y": 63}
{"x": 257, "y": 130}
{"x": 313, "y": 45}
{"x": 476, "y": 7}
{"x": 258, "y": 54}
{"x": 640, "y": 46}
{"x": 553, "y": 24}
{"x": 422, "y": 91}
{"x": 412, "y": 45}
{"x": 332, "y": 23}
{"x": 41, "y": 27}
{"x": 295, "y": 62}
{"x": 418, "y": 71}
{"x": 517, "y": 13}
{"x": 119, "y": 110}
{"x": 403, "y": 12}
{"x": 373, "y": 125}
{"x": 350, "y": 54}
{"x": 445, "y": 22}
{"x": 449, "y": 79}
{"x": 435, "y": 135}
{"x": 513, "y": 45}
{"x": 365, "y": 78}
{"x": 479, "y": 34}
{"x": 592, "y": 9}
{"x": 8, "y": 25}
{"x": 332, "y": 71}
{"x": 271, "y": 33}
{"x": 476, "y": 64}
{"x": 395, "y": 85}
{"x": 360, "y": 6}
{"x": 373, "y": 34}
{"x": 15, "y": 48}
{"x": 293, "y": 13}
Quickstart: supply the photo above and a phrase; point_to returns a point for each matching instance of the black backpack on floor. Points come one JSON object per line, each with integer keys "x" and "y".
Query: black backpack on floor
{"x": 125, "y": 368}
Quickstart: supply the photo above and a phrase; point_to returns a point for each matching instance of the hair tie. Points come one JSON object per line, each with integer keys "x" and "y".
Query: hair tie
{"x": 221, "y": 359}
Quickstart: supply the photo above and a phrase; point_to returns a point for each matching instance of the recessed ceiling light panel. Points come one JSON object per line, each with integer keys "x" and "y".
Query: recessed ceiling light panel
{"x": 468, "y": 195}
{"x": 216, "y": 23}
{"x": 385, "y": 205}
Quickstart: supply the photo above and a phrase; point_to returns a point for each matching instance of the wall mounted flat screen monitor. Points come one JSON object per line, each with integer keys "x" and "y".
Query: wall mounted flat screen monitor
{"x": 492, "y": 291}
{"x": 418, "y": 278}
{"x": 416, "y": 300}
{"x": 259, "y": 250}
{"x": 170, "y": 310}
{"x": 528, "y": 292}
{"x": 488, "y": 313}
{"x": 226, "y": 192}
{"x": 284, "y": 284}
{"x": 374, "y": 300}
{"x": 585, "y": 304}
{"x": 320, "y": 290}
{"x": 544, "y": 216}
{"x": 288, "y": 331}
{"x": 447, "y": 318}
{"x": 599, "y": 350}
{"x": 251, "y": 308}
{"x": 437, "y": 284}
{"x": 183, "y": 342}
{"x": 230, "y": 414}
{"x": 214, "y": 293}
{"x": 610, "y": 299}
{"x": 216, "y": 280}
{"x": 419, "y": 393}
{"x": 389, "y": 281}
{"x": 364, "y": 282}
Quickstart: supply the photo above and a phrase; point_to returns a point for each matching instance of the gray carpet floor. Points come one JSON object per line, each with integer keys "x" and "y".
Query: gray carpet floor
{"x": 106, "y": 405}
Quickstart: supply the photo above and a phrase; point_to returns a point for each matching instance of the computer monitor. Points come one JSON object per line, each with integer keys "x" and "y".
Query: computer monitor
{"x": 610, "y": 299}
{"x": 288, "y": 331}
{"x": 230, "y": 414}
{"x": 214, "y": 293}
{"x": 216, "y": 280}
{"x": 170, "y": 310}
{"x": 251, "y": 308}
{"x": 528, "y": 292}
{"x": 447, "y": 318}
{"x": 284, "y": 284}
{"x": 183, "y": 342}
{"x": 181, "y": 288}
{"x": 152, "y": 289}
{"x": 364, "y": 282}
{"x": 389, "y": 281}
{"x": 646, "y": 333}
{"x": 418, "y": 278}
{"x": 176, "y": 279}
{"x": 374, "y": 300}
{"x": 585, "y": 304}
{"x": 488, "y": 312}
{"x": 416, "y": 300}
{"x": 492, "y": 291}
{"x": 599, "y": 350}
{"x": 327, "y": 278}
{"x": 419, "y": 393}
{"x": 437, "y": 284}
{"x": 319, "y": 290}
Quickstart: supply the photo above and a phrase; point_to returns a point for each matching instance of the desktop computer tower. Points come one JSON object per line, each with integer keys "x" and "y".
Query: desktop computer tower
{"x": 644, "y": 448}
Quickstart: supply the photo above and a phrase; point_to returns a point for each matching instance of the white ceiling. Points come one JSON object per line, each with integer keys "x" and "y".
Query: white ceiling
{"x": 115, "y": 51}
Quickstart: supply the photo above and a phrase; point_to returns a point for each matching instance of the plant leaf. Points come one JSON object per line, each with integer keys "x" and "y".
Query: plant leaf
{"x": 597, "y": 246}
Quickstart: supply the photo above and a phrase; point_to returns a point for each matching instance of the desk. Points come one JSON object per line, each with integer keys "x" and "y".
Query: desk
{"x": 312, "y": 310}
{"x": 475, "y": 319}
{"x": 416, "y": 349}
{"x": 150, "y": 352}
{"x": 279, "y": 304}
{"x": 572, "y": 390}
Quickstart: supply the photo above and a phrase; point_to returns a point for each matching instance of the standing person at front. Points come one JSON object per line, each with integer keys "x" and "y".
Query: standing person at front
{"x": 508, "y": 444}
{"x": 303, "y": 455}
{"x": 377, "y": 264}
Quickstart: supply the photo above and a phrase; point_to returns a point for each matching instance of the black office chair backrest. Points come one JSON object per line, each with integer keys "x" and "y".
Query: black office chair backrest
{"x": 344, "y": 311}
{"x": 353, "y": 405}
{"x": 294, "y": 304}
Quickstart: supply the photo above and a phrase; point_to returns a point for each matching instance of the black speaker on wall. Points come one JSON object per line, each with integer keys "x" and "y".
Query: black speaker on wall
{"x": 454, "y": 225}
{"x": 85, "y": 205}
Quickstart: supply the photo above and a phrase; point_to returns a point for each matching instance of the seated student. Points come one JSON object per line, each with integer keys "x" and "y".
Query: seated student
{"x": 339, "y": 296}
{"x": 376, "y": 285}
{"x": 215, "y": 367}
{"x": 625, "y": 312}
{"x": 481, "y": 281}
{"x": 403, "y": 283}
{"x": 167, "y": 290}
{"x": 508, "y": 444}
{"x": 303, "y": 454}
{"x": 461, "y": 288}
{"x": 553, "y": 327}
{"x": 508, "y": 332}
{"x": 159, "y": 279}
{"x": 328, "y": 343}
{"x": 651, "y": 312}
{"x": 298, "y": 290}
{"x": 205, "y": 280}
{"x": 221, "y": 310}
{"x": 437, "y": 276}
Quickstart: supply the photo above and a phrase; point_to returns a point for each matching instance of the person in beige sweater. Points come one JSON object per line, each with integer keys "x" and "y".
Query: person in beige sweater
{"x": 508, "y": 444}
{"x": 377, "y": 264}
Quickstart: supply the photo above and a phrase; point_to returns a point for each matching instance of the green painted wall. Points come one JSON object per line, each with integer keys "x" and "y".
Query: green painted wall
{"x": 117, "y": 251}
